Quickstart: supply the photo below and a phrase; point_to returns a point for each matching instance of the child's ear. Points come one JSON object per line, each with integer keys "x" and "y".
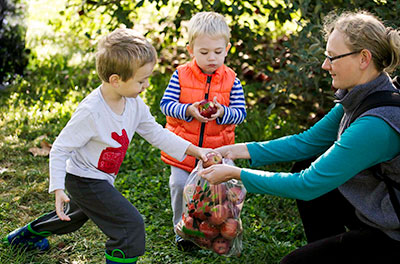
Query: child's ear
{"x": 190, "y": 50}
{"x": 114, "y": 80}
{"x": 228, "y": 46}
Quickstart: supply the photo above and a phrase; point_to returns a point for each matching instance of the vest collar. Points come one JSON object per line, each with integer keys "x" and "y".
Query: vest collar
{"x": 201, "y": 76}
{"x": 350, "y": 100}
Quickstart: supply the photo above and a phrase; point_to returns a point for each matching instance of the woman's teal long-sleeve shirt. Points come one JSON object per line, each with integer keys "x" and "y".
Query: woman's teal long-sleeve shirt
{"x": 368, "y": 141}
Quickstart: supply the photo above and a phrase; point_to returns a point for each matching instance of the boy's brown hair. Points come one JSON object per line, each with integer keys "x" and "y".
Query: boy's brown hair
{"x": 123, "y": 52}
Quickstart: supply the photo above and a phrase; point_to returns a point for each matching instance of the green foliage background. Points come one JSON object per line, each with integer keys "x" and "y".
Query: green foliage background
{"x": 280, "y": 39}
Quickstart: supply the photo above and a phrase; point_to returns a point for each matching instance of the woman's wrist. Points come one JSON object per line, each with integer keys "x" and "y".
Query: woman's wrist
{"x": 233, "y": 173}
{"x": 240, "y": 151}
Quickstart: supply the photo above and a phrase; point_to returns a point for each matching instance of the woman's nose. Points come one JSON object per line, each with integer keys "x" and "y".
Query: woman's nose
{"x": 326, "y": 65}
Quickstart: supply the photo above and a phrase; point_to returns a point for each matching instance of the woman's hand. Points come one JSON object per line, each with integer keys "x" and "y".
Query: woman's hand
{"x": 219, "y": 173}
{"x": 61, "y": 199}
{"x": 235, "y": 151}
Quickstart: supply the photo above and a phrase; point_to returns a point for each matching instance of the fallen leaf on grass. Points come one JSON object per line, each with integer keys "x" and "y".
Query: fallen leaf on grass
{"x": 44, "y": 149}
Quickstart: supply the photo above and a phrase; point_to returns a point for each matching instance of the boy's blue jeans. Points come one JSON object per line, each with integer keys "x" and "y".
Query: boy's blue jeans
{"x": 106, "y": 207}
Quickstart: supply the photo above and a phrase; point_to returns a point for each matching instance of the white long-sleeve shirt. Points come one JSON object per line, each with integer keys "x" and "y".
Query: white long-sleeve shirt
{"x": 94, "y": 141}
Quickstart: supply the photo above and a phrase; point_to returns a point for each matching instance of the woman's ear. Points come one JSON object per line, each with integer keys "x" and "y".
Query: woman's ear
{"x": 114, "y": 80}
{"x": 366, "y": 58}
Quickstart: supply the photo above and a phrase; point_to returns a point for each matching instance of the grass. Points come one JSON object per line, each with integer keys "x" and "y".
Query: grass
{"x": 271, "y": 224}
{"x": 37, "y": 106}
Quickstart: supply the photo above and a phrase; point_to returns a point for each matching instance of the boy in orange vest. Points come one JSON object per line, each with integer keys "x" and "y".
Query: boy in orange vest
{"x": 205, "y": 77}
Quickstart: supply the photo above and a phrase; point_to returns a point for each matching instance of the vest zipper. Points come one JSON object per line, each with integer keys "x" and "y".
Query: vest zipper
{"x": 203, "y": 125}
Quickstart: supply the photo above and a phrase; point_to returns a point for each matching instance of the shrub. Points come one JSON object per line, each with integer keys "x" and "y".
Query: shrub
{"x": 14, "y": 56}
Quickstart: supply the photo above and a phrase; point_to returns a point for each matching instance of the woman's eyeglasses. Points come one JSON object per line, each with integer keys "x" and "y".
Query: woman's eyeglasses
{"x": 331, "y": 59}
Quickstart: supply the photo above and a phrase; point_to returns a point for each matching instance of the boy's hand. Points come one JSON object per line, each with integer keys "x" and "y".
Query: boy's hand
{"x": 220, "y": 110}
{"x": 197, "y": 152}
{"x": 193, "y": 110}
{"x": 61, "y": 199}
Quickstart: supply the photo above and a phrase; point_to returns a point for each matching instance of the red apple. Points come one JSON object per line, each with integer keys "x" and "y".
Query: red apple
{"x": 209, "y": 230}
{"x": 218, "y": 193}
{"x": 202, "y": 210}
{"x": 219, "y": 213}
{"x": 236, "y": 195}
{"x": 207, "y": 108}
{"x": 212, "y": 158}
{"x": 229, "y": 229}
{"x": 191, "y": 209}
{"x": 189, "y": 222}
{"x": 220, "y": 245}
{"x": 203, "y": 242}
{"x": 198, "y": 193}
{"x": 233, "y": 209}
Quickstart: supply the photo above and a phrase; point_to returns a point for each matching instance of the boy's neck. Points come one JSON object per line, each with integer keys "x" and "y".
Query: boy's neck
{"x": 114, "y": 100}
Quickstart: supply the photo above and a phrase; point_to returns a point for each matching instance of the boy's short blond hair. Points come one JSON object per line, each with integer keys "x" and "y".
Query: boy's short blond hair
{"x": 122, "y": 52}
{"x": 208, "y": 23}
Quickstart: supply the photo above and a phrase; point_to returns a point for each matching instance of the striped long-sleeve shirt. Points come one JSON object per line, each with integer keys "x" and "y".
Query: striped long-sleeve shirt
{"x": 235, "y": 113}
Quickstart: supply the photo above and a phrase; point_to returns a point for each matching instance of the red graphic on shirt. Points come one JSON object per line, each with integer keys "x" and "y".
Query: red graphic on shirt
{"x": 111, "y": 158}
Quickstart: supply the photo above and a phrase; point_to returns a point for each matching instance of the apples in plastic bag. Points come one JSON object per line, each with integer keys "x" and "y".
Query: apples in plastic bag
{"x": 211, "y": 213}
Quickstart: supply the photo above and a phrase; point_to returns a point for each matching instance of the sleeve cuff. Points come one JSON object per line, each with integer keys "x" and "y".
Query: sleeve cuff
{"x": 184, "y": 117}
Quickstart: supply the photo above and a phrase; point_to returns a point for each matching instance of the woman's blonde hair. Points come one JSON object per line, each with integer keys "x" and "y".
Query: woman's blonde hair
{"x": 123, "y": 52}
{"x": 208, "y": 23}
{"x": 363, "y": 30}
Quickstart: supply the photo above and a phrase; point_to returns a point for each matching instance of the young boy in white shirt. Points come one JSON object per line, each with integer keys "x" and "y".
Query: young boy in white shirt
{"x": 87, "y": 154}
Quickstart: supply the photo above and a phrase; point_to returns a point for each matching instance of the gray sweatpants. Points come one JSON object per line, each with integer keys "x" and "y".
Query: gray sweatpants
{"x": 177, "y": 182}
{"x": 106, "y": 207}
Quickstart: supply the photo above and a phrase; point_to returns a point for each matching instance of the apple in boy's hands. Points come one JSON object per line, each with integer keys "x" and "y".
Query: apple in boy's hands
{"x": 229, "y": 229}
{"x": 219, "y": 214}
{"x": 209, "y": 230}
{"x": 212, "y": 158}
{"x": 221, "y": 245}
{"x": 207, "y": 108}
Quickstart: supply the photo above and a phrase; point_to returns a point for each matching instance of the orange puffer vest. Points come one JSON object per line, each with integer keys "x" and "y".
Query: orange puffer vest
{"x": 196, "y": 86}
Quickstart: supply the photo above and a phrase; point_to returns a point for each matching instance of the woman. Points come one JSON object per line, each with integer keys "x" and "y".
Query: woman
{"x": 346, "y": 211}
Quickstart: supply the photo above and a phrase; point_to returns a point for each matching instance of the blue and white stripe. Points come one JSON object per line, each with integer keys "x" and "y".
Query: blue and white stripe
{"x": 234, "y": 114}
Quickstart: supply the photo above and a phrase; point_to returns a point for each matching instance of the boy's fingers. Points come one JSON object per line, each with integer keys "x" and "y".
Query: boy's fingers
{"x": 60, "y": 210}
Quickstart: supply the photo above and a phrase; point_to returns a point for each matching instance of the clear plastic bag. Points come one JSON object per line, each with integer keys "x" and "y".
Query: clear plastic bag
{"x": 211, "y": 213}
